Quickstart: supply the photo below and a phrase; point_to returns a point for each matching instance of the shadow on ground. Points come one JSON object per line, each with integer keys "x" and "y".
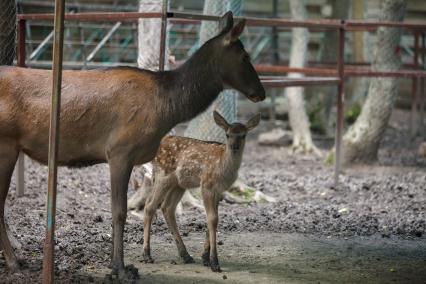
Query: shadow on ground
{"x": 286, "y": 258}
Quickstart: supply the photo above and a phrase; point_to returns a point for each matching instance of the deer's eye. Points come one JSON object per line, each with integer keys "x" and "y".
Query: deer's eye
{"x": 246, "y": 58}
{"x": 227, "y": 136}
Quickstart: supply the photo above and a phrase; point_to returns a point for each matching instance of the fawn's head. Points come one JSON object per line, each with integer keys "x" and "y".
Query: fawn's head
{"x": 236, "y": 132}
{"x": 234, "y": 63}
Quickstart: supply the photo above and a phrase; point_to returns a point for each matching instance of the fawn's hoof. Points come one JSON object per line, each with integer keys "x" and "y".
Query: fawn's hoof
{"x": 214, "y": 265}
{"x": 188, "y": 259}
{"x": 206, "y": 259}
{"x": 128, "y": 274}
{"x": 147, "y": 258}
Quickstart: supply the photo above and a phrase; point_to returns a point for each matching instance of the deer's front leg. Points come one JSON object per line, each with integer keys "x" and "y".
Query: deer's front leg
{"x": 120, "y": 170}
{"x": 211, "y": 204}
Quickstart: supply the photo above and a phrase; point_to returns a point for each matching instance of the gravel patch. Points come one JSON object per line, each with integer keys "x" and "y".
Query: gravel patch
{"x": 387, "y": 200}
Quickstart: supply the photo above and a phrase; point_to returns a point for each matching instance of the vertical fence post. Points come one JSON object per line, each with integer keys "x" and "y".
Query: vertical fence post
{"x": 414, "y": 88}
{"x": 340, "y": 102}
{"x": 163, "y": 35}
{"x": 58, "y": 44}
{"x": 422, "y": 86}
{"x": 275, "y": 61}
{"x": 20, "y": 164}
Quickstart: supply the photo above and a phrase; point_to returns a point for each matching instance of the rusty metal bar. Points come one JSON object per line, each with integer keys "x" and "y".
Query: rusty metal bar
{"x": 358, "y": 72}
{"x": 282, "y": 82}
{"x": 350, "y": 71}
{"x": 350, "y": 25}
{"x": 163, "y": 35}
{"x": 275, "y": 58}
{"x": 414, "y": 95}
{"x": 93, "y": 17}
{"x": 422, "y": 82}
{"x": 280, "y": 69}
{"x": 58, "y": 44}
{"x": 340, "y": 105}
{"x": 20, "y": 164}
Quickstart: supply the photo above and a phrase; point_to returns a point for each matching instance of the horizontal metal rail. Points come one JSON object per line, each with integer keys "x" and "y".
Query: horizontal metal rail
{"x": 93, "y": 17}
{"x": 351, "y": 71}
{"x": 282, "y": 82}
{"x": 177, "y": 17}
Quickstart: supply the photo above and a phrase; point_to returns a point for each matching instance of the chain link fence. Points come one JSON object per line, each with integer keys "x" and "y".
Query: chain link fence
{"x": 7, "y": 31}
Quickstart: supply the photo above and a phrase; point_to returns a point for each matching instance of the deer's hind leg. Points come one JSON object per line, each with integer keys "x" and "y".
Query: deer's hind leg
{"x": 169, "y": 211}
{"x": 9, "y": 152}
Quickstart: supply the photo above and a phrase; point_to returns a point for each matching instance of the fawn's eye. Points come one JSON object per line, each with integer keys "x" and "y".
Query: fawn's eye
{"x": 227, "y": 136}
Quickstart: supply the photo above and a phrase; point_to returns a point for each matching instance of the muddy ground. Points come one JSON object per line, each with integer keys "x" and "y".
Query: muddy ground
{"x": 371, "y": 228}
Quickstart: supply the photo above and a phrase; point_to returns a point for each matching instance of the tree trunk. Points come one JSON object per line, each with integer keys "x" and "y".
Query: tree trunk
{"x": 360, "y": 54}
{"x": 362, "y": 140}
{"x": 203, "y": 127}
{"x": 7, "y": 31}
{"x": 148, "y": 58}
{"x": 148, "y": 36}
{"x": 299, "y": 122}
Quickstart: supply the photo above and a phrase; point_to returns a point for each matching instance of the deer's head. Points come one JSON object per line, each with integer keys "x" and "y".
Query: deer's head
{"x": 235, "y": 67}
{"x": 236, "y": 132}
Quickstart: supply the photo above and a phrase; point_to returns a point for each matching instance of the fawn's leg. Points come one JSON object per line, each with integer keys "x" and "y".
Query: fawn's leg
{"x": 161, "y": 187}
{"x": 8, "y": 155}
{"x": 169, "y": 212}
{"x": 211, "y": 200}
{"x": 120, "y": 170}
{"x": 206, "y": 253}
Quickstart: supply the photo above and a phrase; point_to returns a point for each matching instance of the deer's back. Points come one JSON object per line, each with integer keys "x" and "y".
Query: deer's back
{"x": 94, "y": 105}
{"x": 187, "y": 159}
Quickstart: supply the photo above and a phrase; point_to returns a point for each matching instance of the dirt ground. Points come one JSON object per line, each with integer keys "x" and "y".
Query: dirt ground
{"x": 371, "y": 228}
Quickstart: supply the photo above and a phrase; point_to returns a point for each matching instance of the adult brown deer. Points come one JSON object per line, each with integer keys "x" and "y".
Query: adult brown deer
{"x": 116, "y": 115}
{"x": 182, "y": 163}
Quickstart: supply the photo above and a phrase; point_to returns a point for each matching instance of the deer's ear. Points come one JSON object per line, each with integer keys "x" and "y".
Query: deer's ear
{"x": 226, "y": 22}
{"x": 253, "y": 122}
{"x": 234, "y": 34}
{"x": 220, "y": 120}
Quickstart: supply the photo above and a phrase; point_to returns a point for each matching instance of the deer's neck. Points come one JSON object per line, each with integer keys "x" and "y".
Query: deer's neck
{"x": 188, "y": 90}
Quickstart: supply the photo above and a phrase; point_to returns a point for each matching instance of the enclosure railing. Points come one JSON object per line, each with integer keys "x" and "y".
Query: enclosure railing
{"x": 331, "y": 77}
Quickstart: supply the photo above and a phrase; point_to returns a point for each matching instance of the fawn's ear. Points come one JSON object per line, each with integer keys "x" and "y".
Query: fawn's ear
{"x": 253, "y": 122}
{"x": 220, "y": 120}
{"x": 226, "y": 22}
{"x": 234, "y": 34}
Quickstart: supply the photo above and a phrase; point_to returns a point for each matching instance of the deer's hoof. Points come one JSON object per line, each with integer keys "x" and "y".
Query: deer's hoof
{"x": 188, "y": 259}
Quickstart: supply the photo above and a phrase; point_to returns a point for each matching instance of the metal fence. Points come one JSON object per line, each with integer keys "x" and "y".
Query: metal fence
{"x": 330, "y": 76}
